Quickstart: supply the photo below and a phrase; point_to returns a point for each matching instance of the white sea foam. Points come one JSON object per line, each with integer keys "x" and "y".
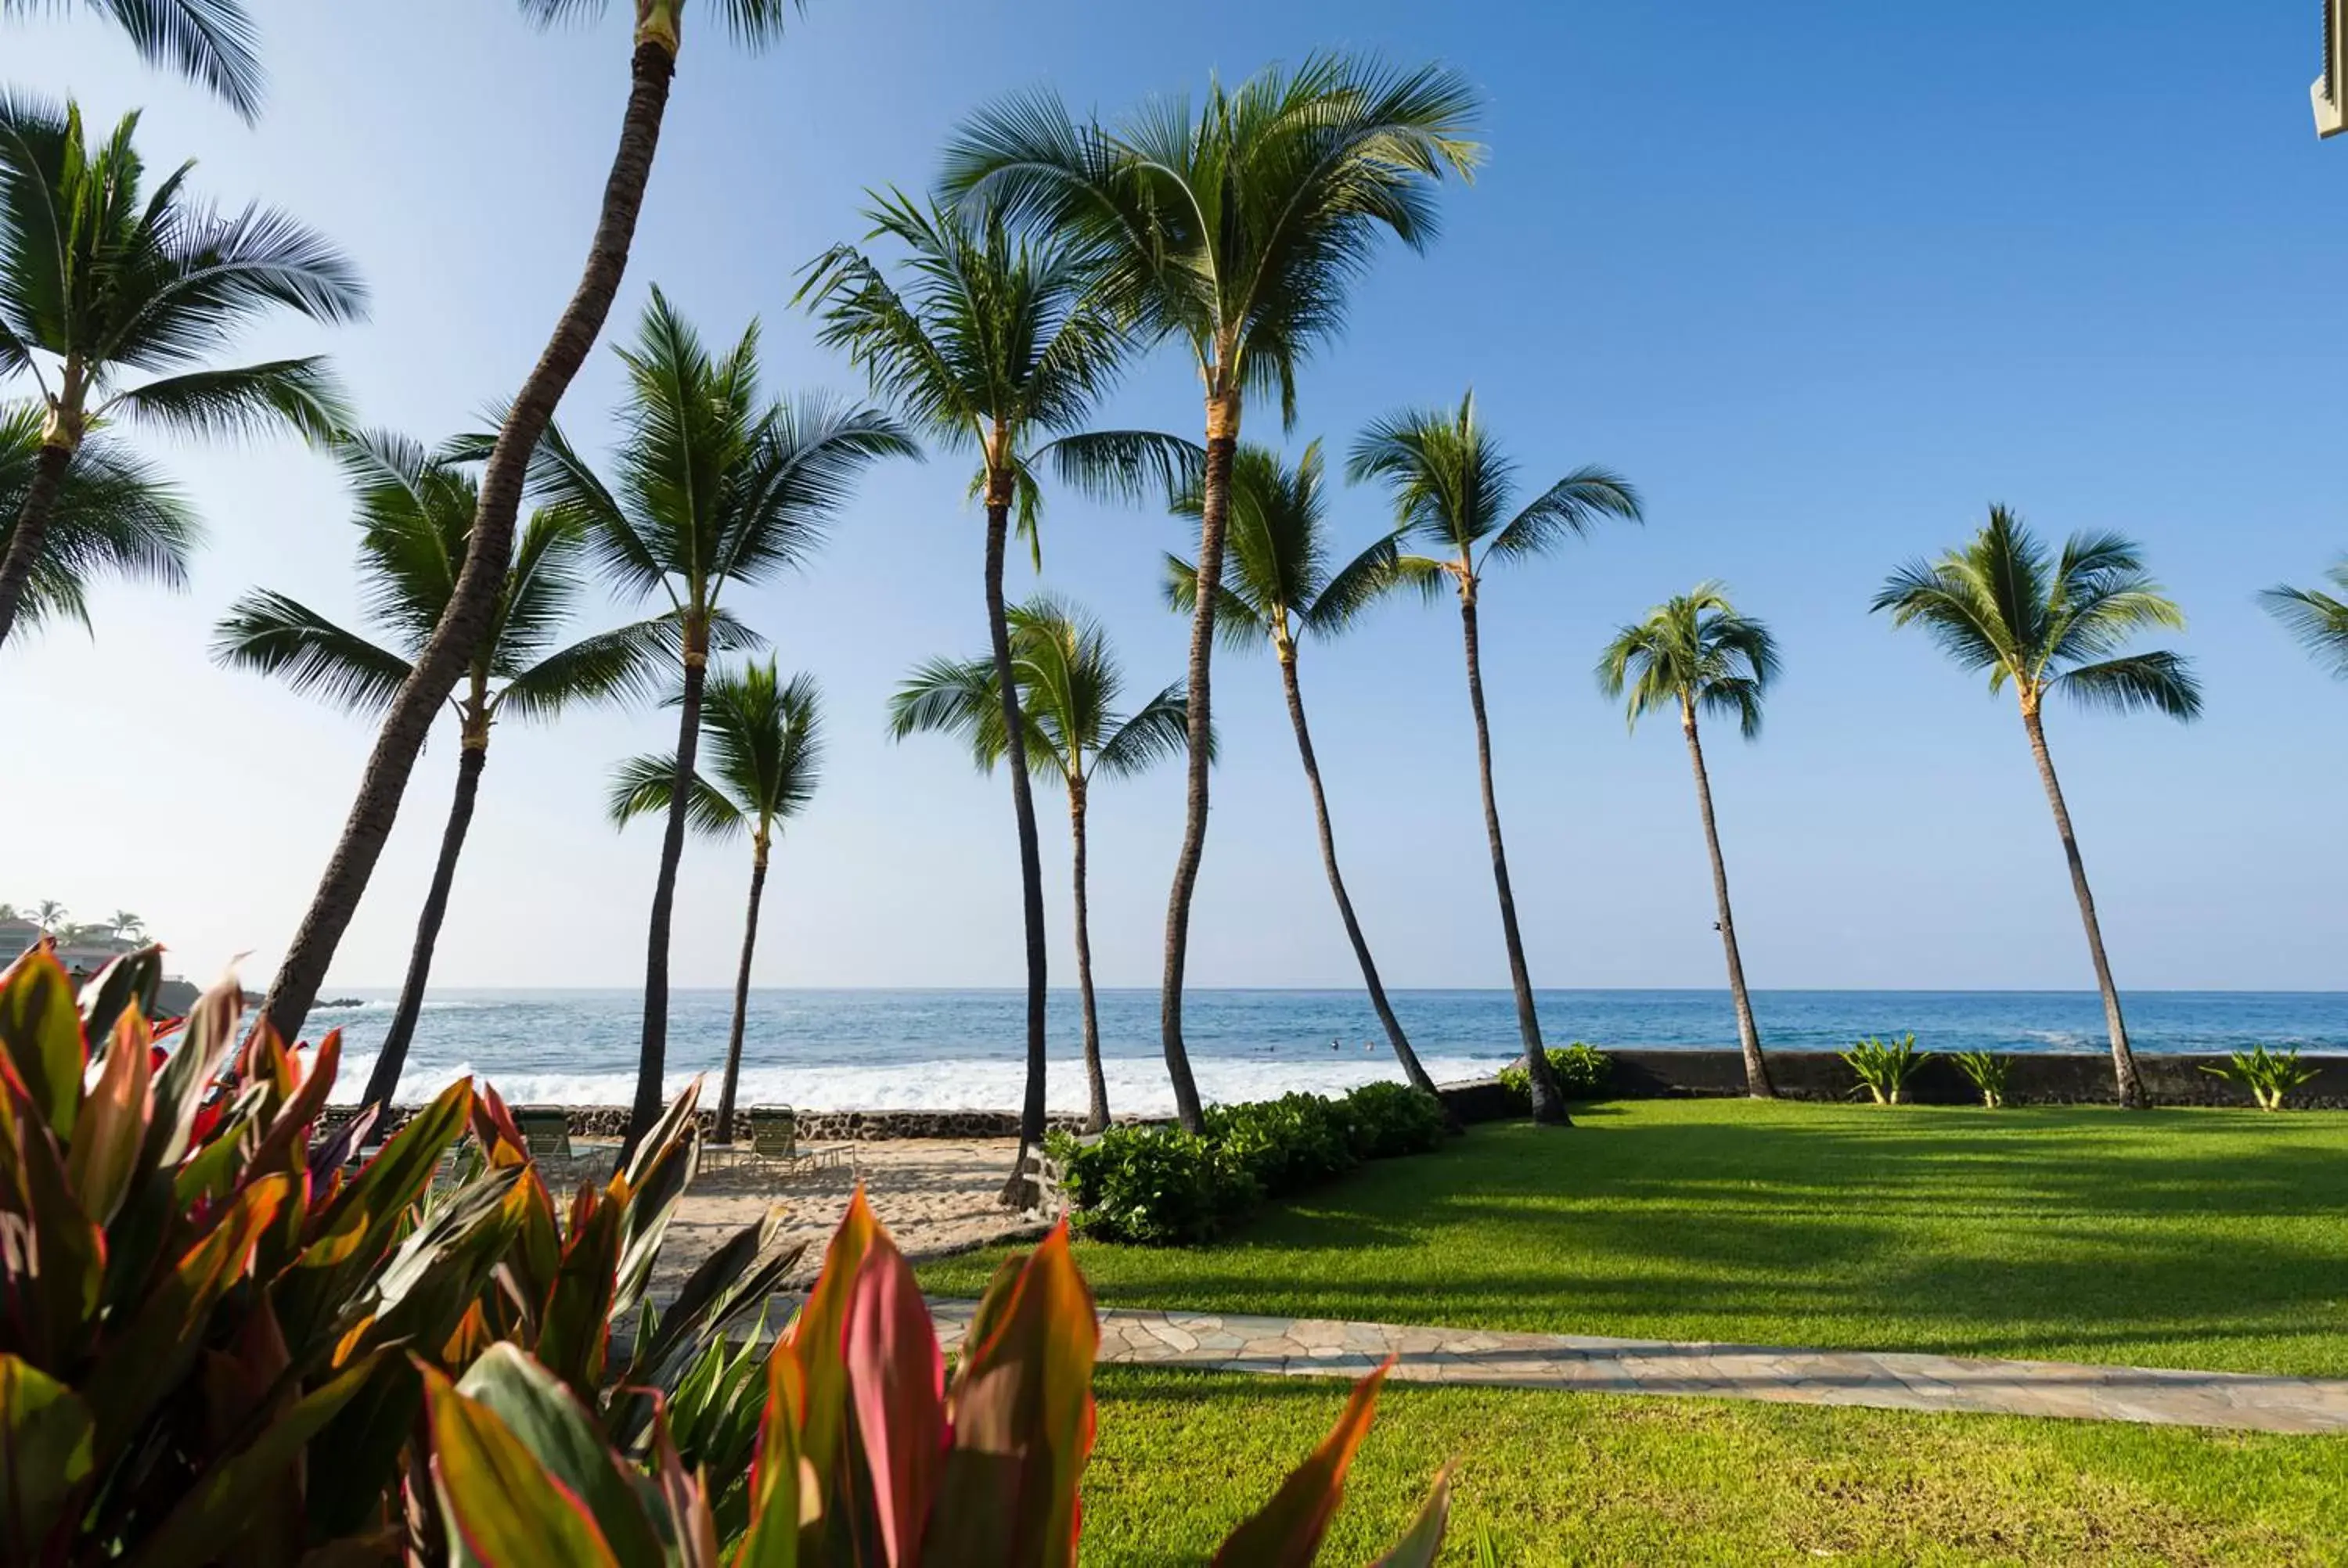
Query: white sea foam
{"x": 1135, "y": 1085}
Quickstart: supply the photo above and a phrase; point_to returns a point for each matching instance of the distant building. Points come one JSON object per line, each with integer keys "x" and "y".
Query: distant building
{"x": 82, "y": 949}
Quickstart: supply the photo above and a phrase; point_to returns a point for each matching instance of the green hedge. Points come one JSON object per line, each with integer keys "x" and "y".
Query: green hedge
{"x": 1158, "y": 1185}
{"x": 1581, "y": 1072}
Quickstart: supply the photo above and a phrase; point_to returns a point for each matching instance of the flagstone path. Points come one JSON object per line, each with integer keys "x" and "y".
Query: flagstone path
{"x": 1321, "y": 1348}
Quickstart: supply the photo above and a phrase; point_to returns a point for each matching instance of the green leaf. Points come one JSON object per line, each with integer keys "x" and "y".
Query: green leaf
{"x": 818, "y": 1335}
{"x": 500, "y": 1505}
{"x": 773, "y": 1539}
{"x": 897, "y": 1379}
{"x": 45, "y": 1456}
{"x": 203, "y": 1041}
{"x": 1423, "y": 1542}
{"x": 127, "y": 984}
{"x": 550, "y": 1421}
{"x": 40, "y": 1028}
{"x": 58, "y": 1291}
{"x": 219, "y": 1507}
{"x": 575, "y": 1324}
{"x": 113, "y": 1125}
{"x": 1286, "y": 1532}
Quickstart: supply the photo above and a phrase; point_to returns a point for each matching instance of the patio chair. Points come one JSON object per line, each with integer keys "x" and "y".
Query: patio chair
{"x": 546, "y": 1129}
{"x": 775, "y": 1144}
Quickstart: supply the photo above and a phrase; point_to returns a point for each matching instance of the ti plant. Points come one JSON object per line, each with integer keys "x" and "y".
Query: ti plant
{"x": 1883, "y": 1067}
{"x": 216, "y": 1335}
{"x": 2268, "y": 1075}
{"x": 1987, "y": 1071}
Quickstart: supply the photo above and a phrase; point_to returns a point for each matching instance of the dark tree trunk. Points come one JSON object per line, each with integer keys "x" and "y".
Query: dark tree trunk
{"x": 31, "y": 532}
{"x": 1748, "y": 1033}
{"x": 741, "y": 995}
{"x": 489, "y": 553}
{"x": 1214, "y": 511}
{"x": 1548, "y": 1097}
{"x": 1395, "y": 1036}
{"x": 652, "y": 1053}
{"x": 1096, "y": 1084}
{"x": 1016, "y": 1191}
{"x": 384, "y": 1081}
{"x": 2130, "y": 1088}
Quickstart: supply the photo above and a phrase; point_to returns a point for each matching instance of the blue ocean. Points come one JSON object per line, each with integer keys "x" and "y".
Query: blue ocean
{"x": 963, "y": 1048}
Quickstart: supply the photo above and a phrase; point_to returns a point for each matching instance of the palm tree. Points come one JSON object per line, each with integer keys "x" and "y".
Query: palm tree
{"x": 1453, "y": 487}
{"x": 114, "y": 517}
{"x": 1697, "y": 651}
{"x": 766, "y": 744}
{"x": 2317, "y": 620}
{"x": 993, "y": 346}
{"x": 105, "y": 285}
{"x": 442, "y": 662}
{"x": 2045, "y": 622}
{"x": 48, "y": 914}
{"x": 714, "y": 487}
{"x": 1278, "y": 584}
{"x": 1069, "y": 683}
{"x": 126, "y": 926}
{"x": 209, "y": 42}
{"x": 415, "y": 509}
{"x": 1239, "y": 231}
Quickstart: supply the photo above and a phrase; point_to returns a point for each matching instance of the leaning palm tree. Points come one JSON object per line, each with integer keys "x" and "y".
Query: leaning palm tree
{"x": 114, "y": 517}
{"x": 1069, "y": 683}
{"x": 441, "y": 663}
{"x": 714, "y": 487}
{"x": 1697, "y": 652}
{"x": 2050, "y": 622}
{"x": 1278, "y": 583}
{"x": 97, "y": 284}
{"x": 993, "y": 345}
{"x": 209, "y": 42}
{"x": 1453, "y": 489}
{"x": 765, "y": 745}
{"x": 2317, "y": 620}
{"x": 1239, "y": 231}
{"x": 414, "y": 508}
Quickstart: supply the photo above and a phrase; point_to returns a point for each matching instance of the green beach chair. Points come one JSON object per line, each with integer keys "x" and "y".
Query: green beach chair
{"x": 546, "y": 1129}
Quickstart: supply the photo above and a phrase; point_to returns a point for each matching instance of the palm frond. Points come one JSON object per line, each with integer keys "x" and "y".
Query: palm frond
{"x": 2317, "y": 620}
{"x": 644, "y": 785}
{"x": 625, "y": 664}
{"x": 300, "y": 394}
{"x": 210, "y": 42}
{"x": 765, "y": 740}
{"x": 1370, "y": 576}
{"x": 1136, "y": 467}
{"x": 2162, "y": 682}
{"x": 753, "y": 25}
{"x": 278, "y": 636}
{"x": 1567, "y": 509}
{"x": 1157, "y": 731}
{"x": 114, "y": 517}
{"x": 1241, "y": 625}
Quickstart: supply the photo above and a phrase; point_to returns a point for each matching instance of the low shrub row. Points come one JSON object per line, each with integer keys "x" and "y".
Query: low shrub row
{"x": 1581, "y": 1072}
{"x": 1158, "y": 1185}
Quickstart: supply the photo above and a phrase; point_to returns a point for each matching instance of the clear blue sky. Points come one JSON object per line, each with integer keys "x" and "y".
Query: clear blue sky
{"x": 1823, "y": 279}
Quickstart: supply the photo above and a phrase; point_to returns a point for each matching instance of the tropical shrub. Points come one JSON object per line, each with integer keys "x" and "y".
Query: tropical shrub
{"x": 215, "y": 1337}
{"x": 2268, "y": 1075}
{"x": 1987, "y": 1071}
{"x": 1883, "y": 1067}
{"x": 1287, "y": 1144}
{"x": 1392, "y": 1118}
{"x": 1582, "y": 1072}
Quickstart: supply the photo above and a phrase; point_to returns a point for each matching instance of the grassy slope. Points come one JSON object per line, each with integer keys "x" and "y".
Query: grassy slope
{"x": 2209, "y": 1239}
{"x": 1592, "y": 1480}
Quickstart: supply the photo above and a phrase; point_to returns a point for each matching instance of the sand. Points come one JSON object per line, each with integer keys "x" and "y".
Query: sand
{"x": 935, "y": 1195}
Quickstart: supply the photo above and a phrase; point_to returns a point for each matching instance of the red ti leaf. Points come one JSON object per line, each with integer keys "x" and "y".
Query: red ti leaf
{"x": 1419, "y": 1547}
{"x": 1286, "y": 1532}
{"x": 501, "y": 1503}
{"x": 897, "y": 1379}
{"x": 818, "y": 1335}
{"x": 40, "y": 1031}
{"x": 773, "y": 1539}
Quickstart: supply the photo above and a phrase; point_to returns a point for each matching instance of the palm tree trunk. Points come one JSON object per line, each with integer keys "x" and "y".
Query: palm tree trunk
{"x": 652, "y": 1054}
{"x": 1548, "y": 1097}
{"x": 466, "y": 621}
{"x": 1214, "y": 511}
{"x": 1096, "y": 1084}
{"x": 31, "y": 532}
{"x": 1748, "y": 1034}
{"x": 1016, "y": 1193}
{"x": 742, "y": 993}
{"x": 383, "y": 1081}
{"x": 2131, "y": 1088}
{"x": 1411, "y": 1069}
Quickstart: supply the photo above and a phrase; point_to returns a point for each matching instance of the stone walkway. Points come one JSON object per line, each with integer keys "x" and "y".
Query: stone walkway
{"x": 1310, "y": 1348}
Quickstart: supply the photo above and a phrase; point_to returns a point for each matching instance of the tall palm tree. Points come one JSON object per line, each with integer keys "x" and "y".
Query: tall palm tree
{"x": 993, "y": 345}
{"x": 1069, "y": 683}
{"x": 441, "y": 663}
{"x": 48, "y": 914}
{"x": 765, "y": 745}
{"x": 415, "y": 509}
{"x": 1698, "y": 652}
{"x": 114, "y": 517}
{"x": 2050, "y": 622}
{"x": 1238, "y": 230}
{"x": 97, "y": 284}
{"x": 126, "y": 925}
{"x": 712, "y": 486}
{"x": 1453, "y": 489}
{"x": 209, "y": 42}
{"x": 1278, "y": 583}
{"x": 2317, "y": 620}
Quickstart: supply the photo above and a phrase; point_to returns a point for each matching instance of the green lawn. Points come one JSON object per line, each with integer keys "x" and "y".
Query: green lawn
{"x": 1182, "y": 1456}
{"x": 2183, "y": 1238}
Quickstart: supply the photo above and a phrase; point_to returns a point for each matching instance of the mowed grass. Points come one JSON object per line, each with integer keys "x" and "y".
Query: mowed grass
{"x": 2215, "y": 1239}
{"x": 1183, "y": 1456}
